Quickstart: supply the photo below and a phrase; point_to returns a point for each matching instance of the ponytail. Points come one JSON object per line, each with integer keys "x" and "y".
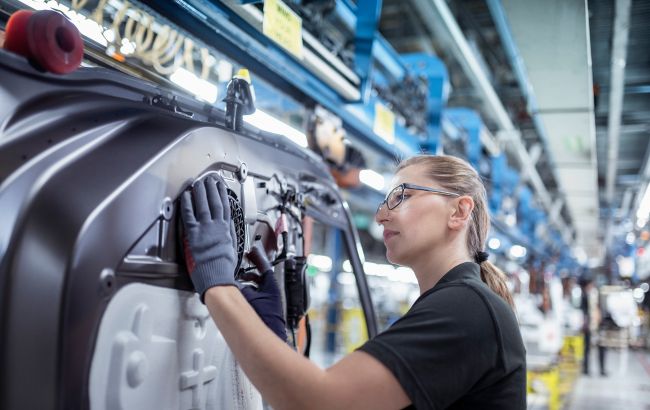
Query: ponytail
{"x": 496, "y": 280}
{"x": 458, "y": 176}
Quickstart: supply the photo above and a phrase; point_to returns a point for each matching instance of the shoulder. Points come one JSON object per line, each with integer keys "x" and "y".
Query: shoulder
{"x": 441, "y": 347}
{"x": 470, "y": 304}
{"x": 466, "y": 295}
{"x": 462, "y": 299}
{"x": 453, "y": 315}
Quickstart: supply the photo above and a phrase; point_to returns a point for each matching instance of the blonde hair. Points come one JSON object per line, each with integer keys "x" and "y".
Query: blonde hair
{"x": 456, "y": 175}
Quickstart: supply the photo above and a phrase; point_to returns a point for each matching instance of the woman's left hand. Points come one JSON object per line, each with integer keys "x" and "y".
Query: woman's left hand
{"x": 209, "y": 240}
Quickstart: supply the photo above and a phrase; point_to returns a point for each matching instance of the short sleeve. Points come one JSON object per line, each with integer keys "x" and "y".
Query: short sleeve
{"x": 441, "y": 348}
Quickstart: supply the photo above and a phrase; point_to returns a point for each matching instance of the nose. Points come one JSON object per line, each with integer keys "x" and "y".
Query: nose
{"x": 382, "y": 213}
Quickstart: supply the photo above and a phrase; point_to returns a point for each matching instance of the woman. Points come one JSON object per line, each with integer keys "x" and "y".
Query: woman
{"x": 458, "y": 346}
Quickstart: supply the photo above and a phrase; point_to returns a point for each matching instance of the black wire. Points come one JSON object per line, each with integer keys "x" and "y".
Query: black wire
{"x": 293, "y": 338}
{"x": 308, "y": 331}
{"x": 295, "y": 218}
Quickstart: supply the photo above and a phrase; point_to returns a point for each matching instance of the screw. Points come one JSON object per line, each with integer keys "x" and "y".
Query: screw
{"x": 107, "y": 280}
{"x": 167, "y": 208}
{"x": 242, "y": 172}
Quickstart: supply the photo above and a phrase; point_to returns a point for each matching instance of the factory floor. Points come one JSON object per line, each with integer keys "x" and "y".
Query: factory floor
{"x": 626, "y": 386}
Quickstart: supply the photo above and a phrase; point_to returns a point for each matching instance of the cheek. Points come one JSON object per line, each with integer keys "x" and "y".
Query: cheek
{"x": 420, "y": 231}
{"x": 426, "y": 232}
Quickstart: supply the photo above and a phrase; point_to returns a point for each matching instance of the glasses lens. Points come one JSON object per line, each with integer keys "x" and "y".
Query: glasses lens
{"x": 395, "y": 197}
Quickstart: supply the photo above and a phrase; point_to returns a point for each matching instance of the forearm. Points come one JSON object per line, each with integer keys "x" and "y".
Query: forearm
{"x": 284, "y": 377}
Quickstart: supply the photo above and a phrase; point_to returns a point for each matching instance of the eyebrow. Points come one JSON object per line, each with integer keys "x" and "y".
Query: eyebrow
{"x": 408, "y": 185}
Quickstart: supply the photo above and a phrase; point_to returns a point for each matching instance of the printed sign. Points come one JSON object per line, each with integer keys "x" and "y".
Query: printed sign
{"x": 283, "y": 26}
{"x": 384, "y": 123}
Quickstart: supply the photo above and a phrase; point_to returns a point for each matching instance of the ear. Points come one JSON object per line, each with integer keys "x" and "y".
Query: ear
{"x": 461, "y": 213}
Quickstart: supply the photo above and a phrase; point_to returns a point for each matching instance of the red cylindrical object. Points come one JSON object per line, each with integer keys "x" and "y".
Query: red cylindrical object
{"x": 16, "y": 33}
{"x": 54, "y": 42}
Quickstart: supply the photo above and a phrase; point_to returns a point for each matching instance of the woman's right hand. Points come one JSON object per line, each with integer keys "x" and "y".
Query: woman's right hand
{"x": 266, "y": 299}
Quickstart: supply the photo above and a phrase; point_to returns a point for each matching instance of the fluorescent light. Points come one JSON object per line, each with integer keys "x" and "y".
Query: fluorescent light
{"x": 203, "y": 89}
{"x": 593, "y": 262}
{"x": 580, "y": 255}
{"x": 86, "y": 26}
{"x": 405, "y": 275}
{"x": 494, "y": 243}
{"x": 346, "y": 278}
{"x": 638, "y": 295}
{"x": 109, "y": 35}
{"x": 224, "y": 70}
{"x": 372, "y": 179}
{"x": 128, "y": 48}
{"x": 400, "y": 274}
{"x": 36, "y": 5}
{"x": 265, "y": 122}
{"x": 518, "y": 251}
{"x": 625, "y": 266}
{"x": 644, "y": 206}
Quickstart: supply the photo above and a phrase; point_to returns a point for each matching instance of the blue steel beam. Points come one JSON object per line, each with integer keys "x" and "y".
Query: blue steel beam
{"x": 345, "y": 12}
{"x": 471, "y": 123}
{"x": 435, "y": 72}
{"x": 336, "y": 251}
{"x": 637, "y": 89}
{"x": 383, "y": 53}
{"x": 386, "y": 56}
{"x": 367, "y": 18}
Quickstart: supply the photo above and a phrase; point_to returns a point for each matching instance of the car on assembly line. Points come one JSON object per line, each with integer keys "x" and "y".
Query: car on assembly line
{"x": 96, "y": 308}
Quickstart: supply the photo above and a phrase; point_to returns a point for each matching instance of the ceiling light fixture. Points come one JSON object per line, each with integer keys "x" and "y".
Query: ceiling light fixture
{"x": 644, "y": 208}
{"x": 202, "y": 89}
{"x": 266, "y": 122}
{"x": 371, "y": 178}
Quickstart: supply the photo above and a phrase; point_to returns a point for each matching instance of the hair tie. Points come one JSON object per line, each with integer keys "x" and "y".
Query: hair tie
{"x": 481, "y": 257}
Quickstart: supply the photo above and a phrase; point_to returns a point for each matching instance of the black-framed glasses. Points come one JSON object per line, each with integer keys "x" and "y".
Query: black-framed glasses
{"x": 396, "y": 195}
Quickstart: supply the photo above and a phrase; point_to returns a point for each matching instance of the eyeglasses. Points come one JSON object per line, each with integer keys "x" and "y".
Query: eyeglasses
{"x": 396, "y": 195}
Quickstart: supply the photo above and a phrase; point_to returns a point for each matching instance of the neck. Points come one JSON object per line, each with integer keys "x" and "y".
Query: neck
{"x": 437, "y": 263}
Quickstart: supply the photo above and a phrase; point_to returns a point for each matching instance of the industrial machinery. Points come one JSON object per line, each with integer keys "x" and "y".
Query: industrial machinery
{"x": 96, "y": 307}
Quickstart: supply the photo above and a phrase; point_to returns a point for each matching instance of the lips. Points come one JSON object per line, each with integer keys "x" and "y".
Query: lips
{"x": 389, "y": 234}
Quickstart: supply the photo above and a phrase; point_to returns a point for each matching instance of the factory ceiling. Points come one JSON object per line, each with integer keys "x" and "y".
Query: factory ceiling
{"x": 539, "y": 70}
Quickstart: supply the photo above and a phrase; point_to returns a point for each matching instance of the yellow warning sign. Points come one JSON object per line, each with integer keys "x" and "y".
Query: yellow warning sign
{"x": 283, "y": 26}
{"x": 384, "y": 123}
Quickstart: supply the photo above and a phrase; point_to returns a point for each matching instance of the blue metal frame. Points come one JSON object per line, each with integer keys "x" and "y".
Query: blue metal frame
{"x": 367, "y": 18}
{"x": 383, "y": 53}
{"x": 242, "y": 43}
{"x": 468, "y": 120}
{"x": 333, "y": 314}
{"x": 434, "y": 71}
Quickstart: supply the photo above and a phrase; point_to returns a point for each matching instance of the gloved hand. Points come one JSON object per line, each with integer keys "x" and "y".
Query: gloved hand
{"x": 266, "y": 299}
{"x": 209, "y": 237}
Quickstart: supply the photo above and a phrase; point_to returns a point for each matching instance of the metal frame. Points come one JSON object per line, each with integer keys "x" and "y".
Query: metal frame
{"x": 214, "y": 23}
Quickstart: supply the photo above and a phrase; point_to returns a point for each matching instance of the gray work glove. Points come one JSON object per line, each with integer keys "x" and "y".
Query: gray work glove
{"x": 209, "y": 237}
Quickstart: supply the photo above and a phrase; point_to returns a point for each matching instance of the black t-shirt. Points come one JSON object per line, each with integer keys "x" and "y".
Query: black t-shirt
{"x": 458, "y": 347}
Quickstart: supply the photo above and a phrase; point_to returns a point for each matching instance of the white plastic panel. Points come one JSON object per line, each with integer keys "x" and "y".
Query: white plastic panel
{"x": 158, "y": 348}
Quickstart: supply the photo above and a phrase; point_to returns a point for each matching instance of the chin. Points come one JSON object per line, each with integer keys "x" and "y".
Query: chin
{"x": 393, "y": 258}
